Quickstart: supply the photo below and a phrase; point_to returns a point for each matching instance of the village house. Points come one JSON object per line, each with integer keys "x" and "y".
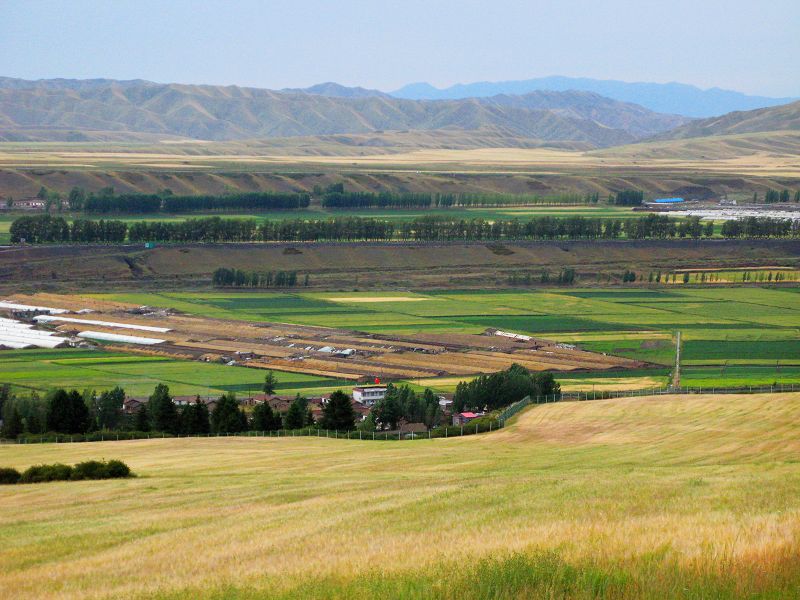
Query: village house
{"x": 465, "y": 417}
{"x": 369, "y": 395}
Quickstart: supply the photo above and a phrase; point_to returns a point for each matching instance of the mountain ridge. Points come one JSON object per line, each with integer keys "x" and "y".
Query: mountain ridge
{"x": 671, "y": 98}
{"x": 209, "y": 112}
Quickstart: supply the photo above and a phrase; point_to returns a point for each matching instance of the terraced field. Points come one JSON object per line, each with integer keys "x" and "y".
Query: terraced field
{"x": 668, "y": 497}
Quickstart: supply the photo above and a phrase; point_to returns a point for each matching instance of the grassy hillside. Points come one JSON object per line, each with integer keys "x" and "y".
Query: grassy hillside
{"x": 775, "y": 118}
{"x": 610, "y": 499}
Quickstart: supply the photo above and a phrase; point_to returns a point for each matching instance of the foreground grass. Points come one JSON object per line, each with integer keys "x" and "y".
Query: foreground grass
{"x": 666, "y": 497}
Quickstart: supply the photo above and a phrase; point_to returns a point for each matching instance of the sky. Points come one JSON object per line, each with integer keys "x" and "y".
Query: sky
{"x": 742, "y": 45}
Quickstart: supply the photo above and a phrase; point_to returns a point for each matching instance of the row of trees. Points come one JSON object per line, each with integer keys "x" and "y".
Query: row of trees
{"x": 627, "y": 198}
{"x": 771, "y": 196}
{"x": 106, "y": 201}
{"x": 73, "y": 412}
{"x": 224, "y": 277}
{"x": 335, "y": 196}
{"x": 565, "y": 276}
{"x": 48, "y": 229}
{"x": 760, "y": 227}
{"x": 62, "y": 411}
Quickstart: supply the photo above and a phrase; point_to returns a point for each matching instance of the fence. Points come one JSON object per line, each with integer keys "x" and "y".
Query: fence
{"x": 481, "y": 425}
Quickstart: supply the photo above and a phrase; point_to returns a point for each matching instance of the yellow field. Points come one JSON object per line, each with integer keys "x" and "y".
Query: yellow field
{"x": 660, "y": 497}
{"x": 758, "y": 154}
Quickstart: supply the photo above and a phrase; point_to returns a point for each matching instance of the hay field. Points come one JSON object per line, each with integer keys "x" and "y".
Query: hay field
{"x": 636, "y": 498}
{"x": 748, "y": 154}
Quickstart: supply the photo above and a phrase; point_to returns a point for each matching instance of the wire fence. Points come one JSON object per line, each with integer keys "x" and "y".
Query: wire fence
{"x": 485, "y": 424}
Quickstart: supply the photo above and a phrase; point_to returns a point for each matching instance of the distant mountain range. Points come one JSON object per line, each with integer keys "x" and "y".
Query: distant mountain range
{"x": 671, "y": 98}
{"x": 46, "y": 109}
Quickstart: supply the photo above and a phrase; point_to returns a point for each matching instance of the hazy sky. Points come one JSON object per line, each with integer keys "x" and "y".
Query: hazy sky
{"x": 736, "y": 44}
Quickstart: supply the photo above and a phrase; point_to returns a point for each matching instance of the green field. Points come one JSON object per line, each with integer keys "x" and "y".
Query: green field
{"x": 731, "y": 336}
{"x": 29, "y": 370}
{"x": 632, "y": 498}
{"x": 753, "y": 332}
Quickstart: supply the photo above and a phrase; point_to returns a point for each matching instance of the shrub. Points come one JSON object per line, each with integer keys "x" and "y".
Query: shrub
{"x": 90, "y": 469}
{"x": 8, "y": 476}
{"x": 117, "y": 468}
{"x": 41, "y": 473}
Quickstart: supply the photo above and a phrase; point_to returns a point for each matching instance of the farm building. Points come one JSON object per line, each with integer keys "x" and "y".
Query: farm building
{"x": 369, "y": 395}
{"x": 465, "y": 417}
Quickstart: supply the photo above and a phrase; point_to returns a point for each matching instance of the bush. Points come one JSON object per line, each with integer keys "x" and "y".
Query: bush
{"x": 9, "y": 476}
{"x": 42, "y": 473}
{"x": 90, "y": 469}
{"x": 118, "y": 469}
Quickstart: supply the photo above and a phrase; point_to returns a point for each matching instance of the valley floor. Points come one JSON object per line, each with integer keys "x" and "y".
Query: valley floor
{"x": 647, "y": 497}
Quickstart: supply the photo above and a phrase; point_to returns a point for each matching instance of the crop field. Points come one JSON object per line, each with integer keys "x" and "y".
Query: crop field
{"x": 40, "y": 370}
{"x": 731, "y": 337}
{"x": 629, "y": 498}
{"x": 726, "y": 327}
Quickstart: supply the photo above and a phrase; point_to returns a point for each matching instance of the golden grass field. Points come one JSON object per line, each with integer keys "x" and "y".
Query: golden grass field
{"x": 773, "y": 153}
{"x": 637, "y": 498}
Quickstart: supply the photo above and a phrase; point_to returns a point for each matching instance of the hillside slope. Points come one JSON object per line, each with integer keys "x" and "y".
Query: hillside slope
{"x": 671, "y": 497}
{"x": 230, "y": 113}
{"x": 776, "y": 118}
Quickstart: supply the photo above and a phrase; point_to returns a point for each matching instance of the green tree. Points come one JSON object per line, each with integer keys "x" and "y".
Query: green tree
{"x": 109, "y": 408}
{"x": 227, "y": 417}
{"x": 265, "y": 419}
{"x": 296, "y": 415}
{"x": 142, "y": 420}
{"x": 12, "y": 425}
{"x": 67, "y": 412}
{"x": 270, "y": 383}
{"x": 195, "y": 418}
{"x": 388, "y": 412}
{"x": 162, "y": 411}
{"x": 338, "y": 412}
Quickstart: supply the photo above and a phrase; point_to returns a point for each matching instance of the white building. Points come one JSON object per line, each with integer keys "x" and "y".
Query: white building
{"x": 369, "y": 395}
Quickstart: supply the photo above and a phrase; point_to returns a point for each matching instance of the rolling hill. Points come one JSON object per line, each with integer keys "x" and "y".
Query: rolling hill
{"x": 51, "y": 109}
{"x": 776, "y": 118}
{"x": 677, "y": 98}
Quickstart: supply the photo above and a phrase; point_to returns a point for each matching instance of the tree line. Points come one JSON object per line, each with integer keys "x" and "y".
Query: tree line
{"x": 73, "y": 412}
{"x": 48, "y": 229}
{"x": 772, "y": 196}
{"x": 335, "y": 196}
{"x": 106, "y": 201}
{"x": 224, "y": 277}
